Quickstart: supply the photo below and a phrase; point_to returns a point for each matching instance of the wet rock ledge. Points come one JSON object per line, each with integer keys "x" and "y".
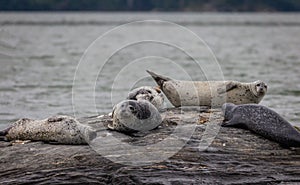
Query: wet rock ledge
{"x": 235, "y": 156}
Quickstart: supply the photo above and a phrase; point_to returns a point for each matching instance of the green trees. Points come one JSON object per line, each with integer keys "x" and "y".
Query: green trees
{"x": 151, "y": 5}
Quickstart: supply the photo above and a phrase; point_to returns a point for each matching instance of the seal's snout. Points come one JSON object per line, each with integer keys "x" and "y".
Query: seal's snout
{"x": 224, "y": 107}
{"x": 261, "y": 87}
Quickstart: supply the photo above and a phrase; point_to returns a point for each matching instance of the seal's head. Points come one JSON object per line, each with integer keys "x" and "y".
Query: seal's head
{"x": 143, "y": 93}
{"x": 133, "y": 116}
{"x": 152, "y": 94}
{"x": 260, "y": 88}
{"x": 130, "y": 108}
{"x": 227, "y": 110}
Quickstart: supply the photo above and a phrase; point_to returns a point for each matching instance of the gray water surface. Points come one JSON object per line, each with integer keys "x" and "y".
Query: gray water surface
{"x": 39, "y": 53}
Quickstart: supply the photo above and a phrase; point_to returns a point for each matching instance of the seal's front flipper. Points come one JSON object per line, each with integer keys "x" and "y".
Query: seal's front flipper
{"x": 234, "y": 122}
{"x": 132, "y": 95}
{"x": 297, "y": 128}
{"x": 110, "y": 126}
{"x": 227, "y": 124}
{"x": 228, "y": 87}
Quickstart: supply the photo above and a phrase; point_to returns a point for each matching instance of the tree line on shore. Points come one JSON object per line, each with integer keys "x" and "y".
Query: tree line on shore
{"x": 151, "y": 5}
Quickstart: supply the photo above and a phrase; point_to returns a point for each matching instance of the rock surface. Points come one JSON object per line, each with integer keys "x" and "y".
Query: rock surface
{"x": 235, "y": 156}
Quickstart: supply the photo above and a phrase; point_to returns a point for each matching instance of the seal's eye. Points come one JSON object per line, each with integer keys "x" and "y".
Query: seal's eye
{"x": 149, "y": 91}
{"x": 131, "y": 108}
{"x": 257, "y": 85}
{"x": 266, "y": 86}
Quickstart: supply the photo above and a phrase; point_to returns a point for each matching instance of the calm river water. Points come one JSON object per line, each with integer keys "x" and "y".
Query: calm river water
{"x": 40, "y": 52}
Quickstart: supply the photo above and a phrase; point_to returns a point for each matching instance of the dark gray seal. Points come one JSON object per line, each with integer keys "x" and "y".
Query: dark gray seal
{"x": 263, "y": 121}
{"x": 133, "y": 116}
{"x": 56, "y": 130}
{"x": 152, "y": 94}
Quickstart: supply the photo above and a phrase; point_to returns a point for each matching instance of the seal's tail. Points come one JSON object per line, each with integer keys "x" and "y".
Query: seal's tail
{"x": 158, "y": 78}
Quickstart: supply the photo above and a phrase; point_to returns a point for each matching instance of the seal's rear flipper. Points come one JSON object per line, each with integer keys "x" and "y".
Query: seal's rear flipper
{"x": 158, "y": 78}
{"x": 3, "y": 133}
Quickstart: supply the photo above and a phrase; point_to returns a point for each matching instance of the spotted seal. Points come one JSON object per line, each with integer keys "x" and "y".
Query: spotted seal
{"x": 56, "y": 129}
{"x": 209, "y": 93}
{"x": 152, "y": 94}
{"x": 133, "y": 116}
{"x": 263, "y": 121}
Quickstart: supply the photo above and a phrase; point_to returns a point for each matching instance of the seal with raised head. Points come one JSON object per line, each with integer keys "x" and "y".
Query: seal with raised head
{"x": 56, "y": 129}
{"x": 133, "y": 116}
{"x": 263, "y": 121}
{"x": 151, "y": 94}
{"x": 209, "y": 93}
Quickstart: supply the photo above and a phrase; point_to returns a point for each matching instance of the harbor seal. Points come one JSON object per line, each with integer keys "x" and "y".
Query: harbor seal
{"x": 263, "y": 121}
{"x": 133, "y": 116}
{"x": 56, "y": 129}
{"x": 209, "y": 93}
{"x": 151, "y": 94}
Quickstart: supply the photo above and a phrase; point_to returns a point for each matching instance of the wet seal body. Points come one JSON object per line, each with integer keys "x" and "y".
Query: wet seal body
{"x": 56, "y": 129}
{"x": 133, "y": 116}
{"x": 262, "y": 121}
{"x": 151, "y": 94}
{"x": 209, "y": 93}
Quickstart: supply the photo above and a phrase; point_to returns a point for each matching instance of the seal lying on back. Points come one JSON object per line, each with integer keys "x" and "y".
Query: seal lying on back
{"x": 209, "y": 93}
{"x": 262, "y": 121}
{"x": 132, "y": 116}
{"x": 152, "y": 94}
{"x": 57, "y": 129}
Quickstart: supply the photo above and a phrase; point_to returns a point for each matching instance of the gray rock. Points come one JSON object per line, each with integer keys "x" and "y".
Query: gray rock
{"x": 235, "y": 156}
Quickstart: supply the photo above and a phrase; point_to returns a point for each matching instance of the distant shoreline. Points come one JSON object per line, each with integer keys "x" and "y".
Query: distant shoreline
{"x": 153, "y": 5}
{"x": 148, "y": 11}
